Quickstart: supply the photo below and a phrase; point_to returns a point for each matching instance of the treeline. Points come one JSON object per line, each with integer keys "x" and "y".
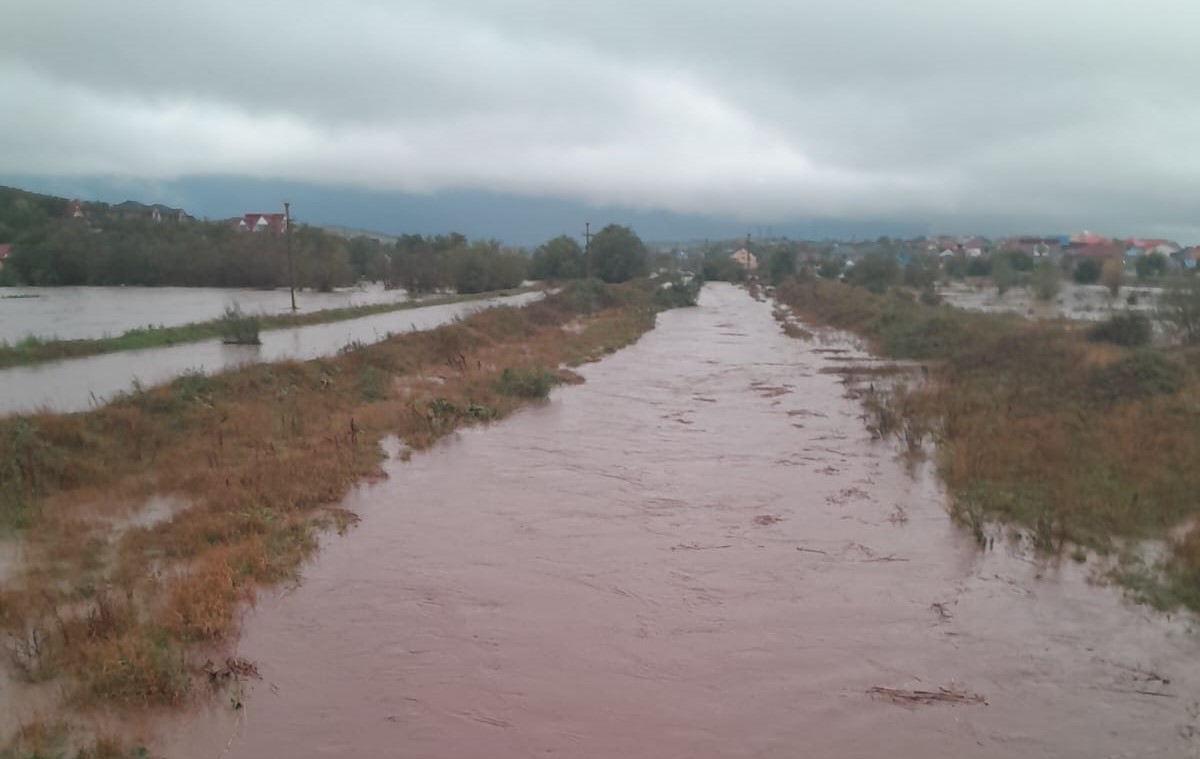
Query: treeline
{"x": 50, "y": 248}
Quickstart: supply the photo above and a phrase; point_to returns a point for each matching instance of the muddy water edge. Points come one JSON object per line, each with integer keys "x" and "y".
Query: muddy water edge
{"x": 699, "y": 552}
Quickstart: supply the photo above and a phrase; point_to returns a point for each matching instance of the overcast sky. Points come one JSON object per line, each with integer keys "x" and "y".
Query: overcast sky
{"x": 999, "y": 114}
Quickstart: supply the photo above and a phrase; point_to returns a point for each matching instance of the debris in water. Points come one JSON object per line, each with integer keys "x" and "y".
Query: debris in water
{"x": 926, "y": 697}
{"x": 766, "y": 520}
{"x": 235, "y": 668}
{"x": 697, "y": 547}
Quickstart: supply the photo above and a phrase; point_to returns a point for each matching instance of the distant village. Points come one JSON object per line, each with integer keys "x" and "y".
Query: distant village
{"x": 1066, "y": 250}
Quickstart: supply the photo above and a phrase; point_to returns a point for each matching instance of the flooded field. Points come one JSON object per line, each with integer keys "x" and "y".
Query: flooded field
{"x": 698, "y": 553}
{"x": 75, "y": 313}
{"x": 78, "y": 384}
{"x": 1083, "y": 302}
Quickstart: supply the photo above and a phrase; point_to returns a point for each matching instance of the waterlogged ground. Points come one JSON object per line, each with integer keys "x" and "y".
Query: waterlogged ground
{"x": 698, "y": 553}
{"x": 79, "y": 384}
{"x": 75, "y": 313}
{"x": 1083, "y": 302}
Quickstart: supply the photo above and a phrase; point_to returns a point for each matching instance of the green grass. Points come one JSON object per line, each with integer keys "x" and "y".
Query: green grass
{"x": 35, "y": 350}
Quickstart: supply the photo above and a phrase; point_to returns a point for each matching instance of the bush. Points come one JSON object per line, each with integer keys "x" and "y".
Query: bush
{"x": 1179, "y": 307}
{"x": 831, "y": 268}
{"x": 1142, "y": 375}
{"x": 875, "y": 273}
{"x": 587, "y": 296}
{"x": 1046, "y": 280}
{"x": 239, "y": 328}
{"x": 1087, "y": 272}
{"x": 1127, "y": 329}
{"x": 677, "y": 293}
{"x": 1151, "y": 265}
{"x": 533, "y": 382}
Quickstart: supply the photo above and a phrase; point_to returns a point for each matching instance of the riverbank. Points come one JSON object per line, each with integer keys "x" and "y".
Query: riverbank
{"x": 1043, "y": 435}
{"x": 35, "y": 350}
{"x": 145, "y": 526}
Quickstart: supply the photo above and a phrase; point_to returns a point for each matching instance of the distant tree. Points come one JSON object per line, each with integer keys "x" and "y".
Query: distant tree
{"x": 484, "y": 266}
{"x": 979, "y": 267}
{"x": 1179, "y": 307}
{"x": 921, "y": 272}
{"x": 1151, "y": 265}
{"x": 618, "y": 254}
{"x": 557, "y": 259}
{"x": 1004, "y": 276}
{"x": 781, "y": 264}
{"x": 1112, "y": 275}
{"x": 876, "y": 273}
{"x": 831, "y": 267}
{"x": 719, "y": 266}
{"x": 1046, "y": 280}
{"x": 1087, "y": 272}
{"x": 1019, "y": 260}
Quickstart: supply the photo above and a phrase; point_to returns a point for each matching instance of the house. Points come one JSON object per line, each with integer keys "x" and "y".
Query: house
{"x": 5, "y": 250}
{"x": 1145, "y": 247}
{"x": 1187, "y": 257}
{"x": 260, "y": 222}
{"x": 1037, "y": 246}
{"x": 747, "y": 259}
{"x": 1096, "y": 250}
{"x": 135, "y": 211}
{"x": 75, "y": 210}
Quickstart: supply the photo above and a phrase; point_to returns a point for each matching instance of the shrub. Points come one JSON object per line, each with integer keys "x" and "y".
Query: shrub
{"x": 1087, "y": 272}
{"x": 1179, "y": 307}
{"x": 1142, "y": 375}
{"x": 1127, "y": 329}
{"x": 239, "y": 328}
{"x": 1046, "y": 280}
{"x": 875, "y": 273}
{"x": 526, "y": 382}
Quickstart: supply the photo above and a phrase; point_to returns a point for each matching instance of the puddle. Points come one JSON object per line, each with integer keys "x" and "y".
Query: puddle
{"x": 592, "y": 578}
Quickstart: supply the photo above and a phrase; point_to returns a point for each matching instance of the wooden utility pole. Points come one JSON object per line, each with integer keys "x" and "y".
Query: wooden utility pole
{"x": 587, "y": 248}
{"x": 287, "y": 233}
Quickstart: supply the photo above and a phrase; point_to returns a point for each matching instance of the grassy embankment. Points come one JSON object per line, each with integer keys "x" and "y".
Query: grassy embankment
{"x": 1048, "y": 426}
{"x": 122, "y": 611}
{"x": 33, "y": 350}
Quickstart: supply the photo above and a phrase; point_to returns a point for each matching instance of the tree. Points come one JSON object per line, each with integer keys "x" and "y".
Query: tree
{"x": 557, "y": 259}
{"x": 1151, "y": 265}
{"x": 1087, "y": 272}
{"x": 831, "y": 267}
{"x": 618, "y": 254}
{"x": 484, "y": 266}
{"x": 1112, "y": 274}
{"x": 921, "y": 273}
{"x": 781, "y": 264}
{"x": 1046, "y": 280}
{"x": 1004, "y": 276}
{"x": 1179, "y": 307}
{"x": 876, "y": 273}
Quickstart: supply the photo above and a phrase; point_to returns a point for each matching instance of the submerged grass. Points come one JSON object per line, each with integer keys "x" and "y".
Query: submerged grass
{"x": 1079, "y": 442}
{"x": 35, "y": 350}
{"x": 262, "y": 455}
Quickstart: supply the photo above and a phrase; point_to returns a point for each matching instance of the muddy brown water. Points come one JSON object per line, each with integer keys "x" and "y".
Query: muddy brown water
{"x": 698, "y": 553}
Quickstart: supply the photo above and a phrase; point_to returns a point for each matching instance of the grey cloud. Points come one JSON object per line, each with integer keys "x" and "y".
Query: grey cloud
{"x": 1022, "y": 113}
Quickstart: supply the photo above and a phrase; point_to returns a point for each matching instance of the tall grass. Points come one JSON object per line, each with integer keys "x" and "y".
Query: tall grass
{"x": 238, "y": 327}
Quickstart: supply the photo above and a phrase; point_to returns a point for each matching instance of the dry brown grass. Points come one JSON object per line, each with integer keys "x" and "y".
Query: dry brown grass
{"x": 263, "y": 455}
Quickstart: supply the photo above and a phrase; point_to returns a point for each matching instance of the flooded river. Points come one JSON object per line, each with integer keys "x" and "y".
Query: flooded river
{"x": 78, "y": 384}
{"x": 78, "y": 313}
{"x": 698, "y": 553}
